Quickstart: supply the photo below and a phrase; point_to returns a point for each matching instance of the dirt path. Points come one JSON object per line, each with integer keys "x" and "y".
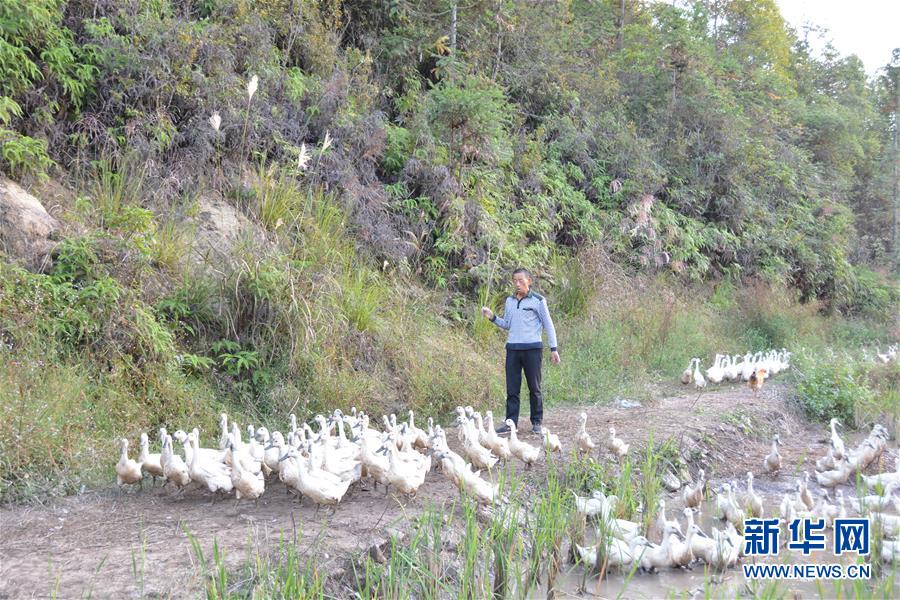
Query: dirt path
{"x": 135, "y": 544}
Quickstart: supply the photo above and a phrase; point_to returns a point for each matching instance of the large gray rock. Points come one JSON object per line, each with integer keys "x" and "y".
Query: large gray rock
{"x": 26, "y": 229}
{"x": 220, "y": 227}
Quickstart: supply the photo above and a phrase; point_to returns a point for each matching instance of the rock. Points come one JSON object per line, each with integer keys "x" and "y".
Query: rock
{"x": 398, "y": 535}
{"x": 377, "y": 554}
{"x": 624, "y": 403}
{"x": 219, "y": 229}
{"x": 671, "y": 482}
{"x": 26, "y": 229}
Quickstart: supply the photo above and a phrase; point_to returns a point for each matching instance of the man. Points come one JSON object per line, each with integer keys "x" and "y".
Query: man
{"x": 525, "y": 316}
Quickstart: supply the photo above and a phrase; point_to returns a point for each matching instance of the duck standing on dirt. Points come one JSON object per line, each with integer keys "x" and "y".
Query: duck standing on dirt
{"x": 525, "y": 316}
{"x": 128, "y": 470}
{"x": 174, "y": 468}
{"x": 527, "y": 453}
{"x": 837, "y": 444}
{"x": 583, "y": 439}
{"x": 551, "y": 442}
{"x": 687, "y": 375}
{"x": 803, "y": 488}
{"x": 752, "y": 500}
{"x": 150, "y": 462}
{"x": 773, "y": 458}
{"x": 616, "y": 445}
{"x": 699, "y": 379}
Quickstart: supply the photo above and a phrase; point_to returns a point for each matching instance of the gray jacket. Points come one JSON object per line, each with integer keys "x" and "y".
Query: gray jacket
{"x": 525, "y": 319}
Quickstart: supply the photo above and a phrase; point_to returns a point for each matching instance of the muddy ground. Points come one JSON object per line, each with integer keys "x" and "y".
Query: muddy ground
{"x": 108, "y": 543}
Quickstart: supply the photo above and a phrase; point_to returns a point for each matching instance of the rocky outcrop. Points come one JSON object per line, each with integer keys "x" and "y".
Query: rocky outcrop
{"x": 26, "y": 229}
{"x": 219, "y": 228}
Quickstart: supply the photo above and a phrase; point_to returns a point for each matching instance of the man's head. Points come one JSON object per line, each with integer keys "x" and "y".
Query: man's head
{"x": 522, "y": 280}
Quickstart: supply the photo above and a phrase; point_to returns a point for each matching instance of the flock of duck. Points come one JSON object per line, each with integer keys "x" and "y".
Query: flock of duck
{"x": 752, "y": 368}
{"x": 322, "y": 464}
{"x": 344, "y": 450}
{"x": 624, "y": 544}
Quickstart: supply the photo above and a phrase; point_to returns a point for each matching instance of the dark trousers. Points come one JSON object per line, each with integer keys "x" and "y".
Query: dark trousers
{"x": 530, "y": 362}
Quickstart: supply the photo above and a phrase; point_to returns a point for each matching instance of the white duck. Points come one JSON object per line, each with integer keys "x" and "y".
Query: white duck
{"x": 874, "y": 502}
{"x": 206, "y": 453}
{"x": 734, "y": 369}
{"x": 551, "y": 442}
{"x": 241, "y": 451}
{"x": 477, "y": 454}
{"x": 699, "y": 379}
{"x": 837, "y": 444}
{"x": 289, "y": 469}
{"x": 753, "y": 501}
{"x": 749, "y": 366}
{"x": 681, "y": 551}
{"x": 620, "y": 528}
{"x": 346, "y": 465}
{"x": 723, "y": 501}
{"x": 826, "y": 463}
{"x": 803, "y": 488}
{"x": 839, "y": 475}
{"x": 715, "y": 551}
{"x": 215, "y": 475}
{"x": 405, "y": 476}
{"x": 245, "y": 483}
{"x": 734, "y": 513}
{"x": 659, "y": 557}
{"x": 786, "y": 508}
{"x": 687, "y": 375}
{"x": 883, "y": 479}
{"x": 619, "y": 554}
{"x": 320, "y": 490}
{"x": 272, "y": 450}
{"x": 692, "y": 495}
{"x": 150, "y": 462}
{"x": 890, "y": 551}
{"x": 616, "y": 445}
{"x": 662, "y": 523}
{"x": 483, "y": 436}
{"x": 174, "y": 468}
{"x": 597, "y": 504}
{"x": 583, "y": 439}
{"x": 223, "y": 435}
{"x": 716, "y": 372}
{"x": 737, "y": 540}
{"x": 481, "y": 490}
{"x": 128, "y": 471}
{"x": 890, "y": 523}
{"x": 772, "y": 462}
{"x": 499, "y": 446}
{"x": 527, "y": 453}
{"x": 376, "y": 466}
{"x": 861, "y": 457}
{"x": 467, "y": 481}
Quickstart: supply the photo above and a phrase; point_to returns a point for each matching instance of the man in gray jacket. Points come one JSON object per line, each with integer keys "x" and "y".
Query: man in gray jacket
{"x": 525, "y": 316}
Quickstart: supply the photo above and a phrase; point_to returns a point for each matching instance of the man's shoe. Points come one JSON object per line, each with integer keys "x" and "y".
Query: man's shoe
{"x": 537, "y": 429}
{"x": 502, "y": 429}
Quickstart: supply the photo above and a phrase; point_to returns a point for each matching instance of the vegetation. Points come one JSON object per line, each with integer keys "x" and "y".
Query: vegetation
{"x": 684, "y": 178}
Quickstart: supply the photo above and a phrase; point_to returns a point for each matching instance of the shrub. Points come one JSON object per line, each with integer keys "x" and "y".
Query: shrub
{"x": 830, "y": 386}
